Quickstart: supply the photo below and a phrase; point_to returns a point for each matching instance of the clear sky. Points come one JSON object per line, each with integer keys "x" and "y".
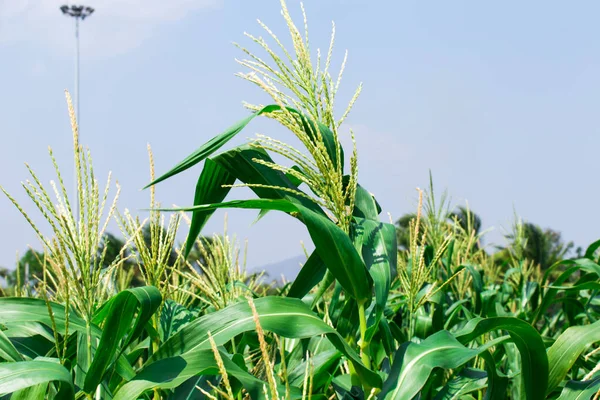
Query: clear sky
{"x": 499, "y": 99}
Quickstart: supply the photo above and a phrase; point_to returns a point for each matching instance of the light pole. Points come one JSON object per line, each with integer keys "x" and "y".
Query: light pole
{"x": 79, "y": 13}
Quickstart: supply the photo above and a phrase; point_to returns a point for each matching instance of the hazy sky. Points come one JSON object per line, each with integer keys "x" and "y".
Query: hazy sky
{"x": 498, "y": 99}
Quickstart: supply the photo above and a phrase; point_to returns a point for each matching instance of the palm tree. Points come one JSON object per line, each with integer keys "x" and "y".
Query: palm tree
{"x": 544, "y": 247}
{"x": 467, "y": 220}
{"x": 116, "y": 249}
{"x": 403, "y": 231}
{"x": 529, "y": 241}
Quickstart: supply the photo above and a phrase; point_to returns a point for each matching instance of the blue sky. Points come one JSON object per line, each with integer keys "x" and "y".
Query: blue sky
{"x": 498, "y": 99}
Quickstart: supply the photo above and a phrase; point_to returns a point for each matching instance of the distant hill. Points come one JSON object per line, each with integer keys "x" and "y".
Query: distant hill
{"x": 289, "y": 268}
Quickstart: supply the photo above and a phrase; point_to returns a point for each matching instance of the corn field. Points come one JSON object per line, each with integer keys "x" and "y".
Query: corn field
{"x": 364, "y": 319}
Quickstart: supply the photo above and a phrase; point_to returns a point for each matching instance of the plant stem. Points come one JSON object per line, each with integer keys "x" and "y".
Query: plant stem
{"x": 363, "y": 330}
{"x": 155, "y": 346}
{"x": 88, "y": 333}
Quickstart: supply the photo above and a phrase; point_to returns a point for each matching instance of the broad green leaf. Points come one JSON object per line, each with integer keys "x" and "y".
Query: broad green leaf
{"x": 190, "y": 389}
{"x": 23, "y": 374}
{"x": 376, "y": 242}
{"x": 311, "y": 273}
{"x": 534, "y": 362}
{"x": 287, "y": 317}
{"x": 35, "y": 392}
{"x": 591, "y": 250}
{"x": 468, "y": 381}
{"x": 173, "y": 317}
{"x": 244, "y": 163}
{"x": 321, "y": 365}
{"x": 567, "y": 348}
{"x": 211, "y": 146}
{"x": 365, "y": 205}
{"x": 209, "y": 189}
{"x": 169, "y": 373}
{"x": 7, "y": 349}
{"x": 125, "y": 316}
{"x": 496, "y": 384}
{"x": 31, "y": 339}
{"x": 15, "y": 310}
{"x": 84, "y": 357}
{"x": 549, "y": 295}
{"x": 220, "y": 140}
{"x": 414, "y": 363}
{"x": 332, "y": 244}
{"x": 477, "y": 284}
{"x": 580, "y": 390}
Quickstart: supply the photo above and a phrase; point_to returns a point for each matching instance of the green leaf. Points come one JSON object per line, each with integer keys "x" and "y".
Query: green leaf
{"x": 284, "y": 316}
{"x": 7, "y": 349}
{"x": 132, "y": 305}
{"x": 591, "y": 250}
{"x": 550, "y": 293}
{"x": 23, "y": 374}
{"x": 211, "y": 146}
{"x": 35, "y": 392}
{"x": 477, "y": 284}
{"x": 332, "y": 244}
{"x": 468, "y": 381}
{"x": 567, "y": 348}
{"x": 376, "y": 242}
{"x": 15, "y": 310}
{"x": 171, "y": 372}
{"x": 580, "y": 390}
{"x": 244, "y": 162}
{"x": 322, "y": 364}
{"x": 414, "y": 363}
{"x": 209, "y": 189}
{"x": 220, "y": 140}
{"x": 173, "y": 317}
{"x": 534, "y": 362}
{"x": 365, "y": 205}
{"x": 31, "y": 339}
{"x": 190, "y": 389}
{"x": 311, "y": 273}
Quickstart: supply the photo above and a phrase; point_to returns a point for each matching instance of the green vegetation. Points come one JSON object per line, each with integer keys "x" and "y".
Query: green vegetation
{"x": 417, "y": 310}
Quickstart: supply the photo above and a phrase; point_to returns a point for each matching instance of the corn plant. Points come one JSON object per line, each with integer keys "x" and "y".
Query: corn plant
{"x": 439, "y": 319}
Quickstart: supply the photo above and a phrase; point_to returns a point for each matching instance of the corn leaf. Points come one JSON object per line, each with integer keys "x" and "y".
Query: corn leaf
{"x": 567, "y": 348}
{"x": 333, "y": 245}
{"x": 132, "y": 305}
{"x": 23, "y": 374}
{"x": 286, "y": 317}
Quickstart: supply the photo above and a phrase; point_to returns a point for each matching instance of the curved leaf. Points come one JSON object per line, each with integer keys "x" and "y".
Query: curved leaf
{"x": 469, "y": 380}
{"x": 376, "y": 242}
{"x": 15, "y": 310}
{"x": 171, "y": 372}
{"x": 580, "y": 390}
{"x": 132, "y": 305}
{"x": 534, "y": 362}
{"x": 7, "y": 349}
{"x": 567, "y": 348}
{"x": 311, "y": 273}
{"x": 23, "y": 374}
{"x": 332, "y": 244}
{"x": 550, "y": 293}
{"x": 209, "y": 189}
{"x": 220, "y": 140}
{"x": 284, "y": 316}
{"x": 414, "y": 363}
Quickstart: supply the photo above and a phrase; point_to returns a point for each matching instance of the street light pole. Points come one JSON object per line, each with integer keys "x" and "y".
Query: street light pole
{"x": 79, "y": 13}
